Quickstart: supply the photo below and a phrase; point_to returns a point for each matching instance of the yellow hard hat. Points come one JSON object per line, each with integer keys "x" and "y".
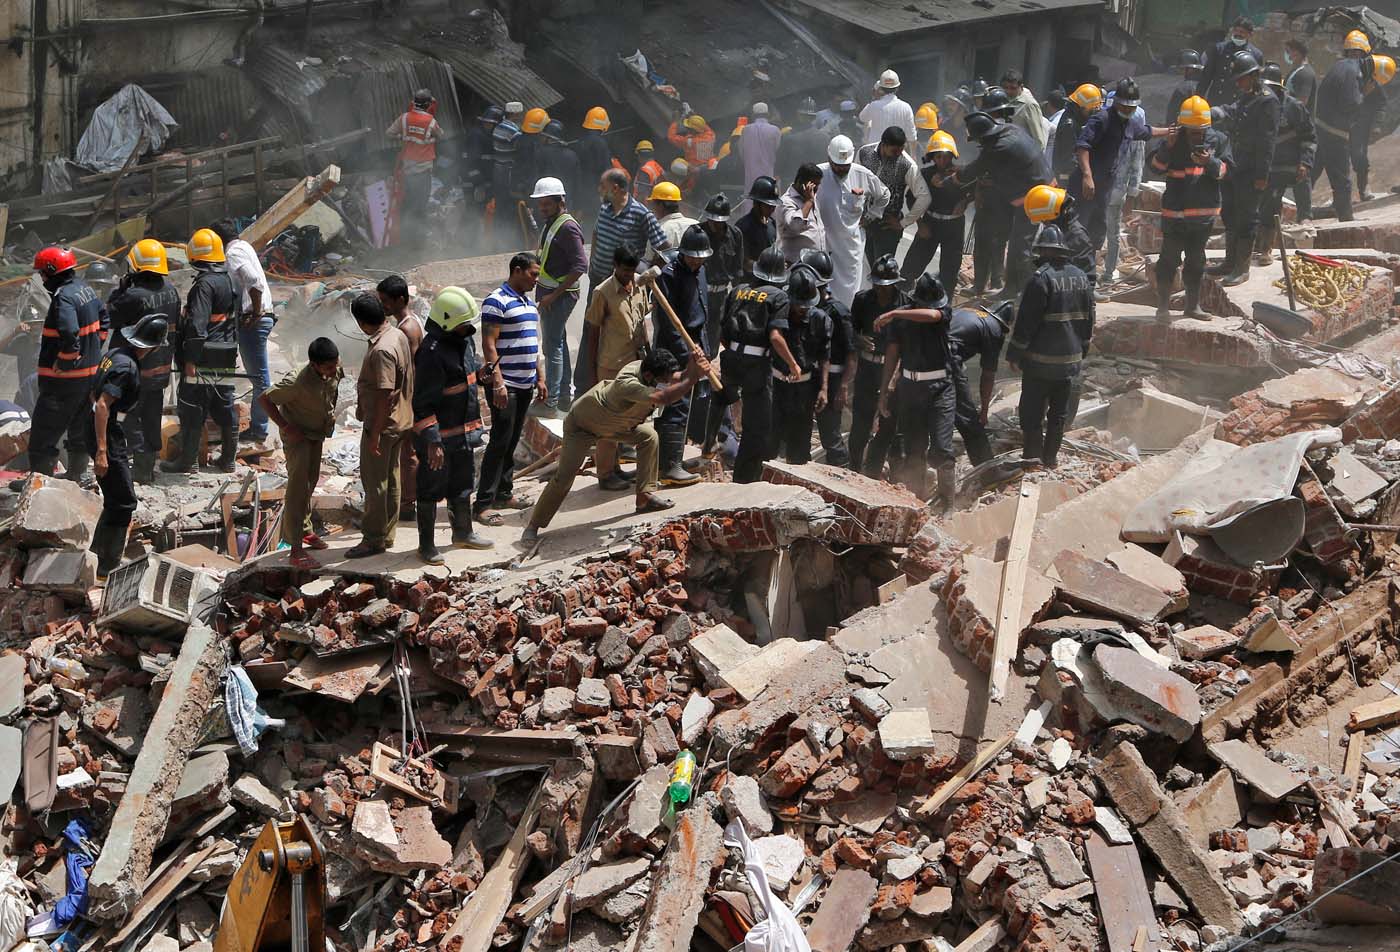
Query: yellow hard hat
{"x": 148, "y": 254}
{"x": 1195, "y": 113}
{"x": 597, "y": 118}
{"x": 664, "y": 192}
{"x": 927, "y": 116}
{"x": 696, "y": 122}
{"x": 1087, "y": 97}
{"x": 535, "y": 121}
{"x": 452, "y": 308}
{"x": 1383, "y": 69}
{"x": 1356, "y": 40}
{"x": 205, "y": 246}
{"x": 942, "y": 141}
{"x": 645, "y": 146}
{"x": 1044, "y": 203}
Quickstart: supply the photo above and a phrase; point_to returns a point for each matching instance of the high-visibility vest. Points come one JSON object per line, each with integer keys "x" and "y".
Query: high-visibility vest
{"x": 418, "y": 145}
{"x": 548, "y": 280}
{"x": 647, "y": 176}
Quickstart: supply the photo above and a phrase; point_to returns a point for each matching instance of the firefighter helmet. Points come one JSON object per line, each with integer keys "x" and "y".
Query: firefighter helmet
{"x": 1045, "y": 203}
{"x": 534, "y": 122}
{"x": 148, "y": 254}
{"x": 454, "y": 307}
{"x": 927, "y": 116}
{"x": 150, "y": 331}
{"x": 1194, "y": 114}
{"x": 695, "y": 243}
{"x": 1356, "y": 40}
{"x": 1087, "y": 97}
{"x": 54, "y": 260}
{"x": 941, "y": 141}
{"x": 771, "y": 266}
{"x": 597, "y": 119}
{"x": 206, "y": 246}
{"x": 885, "y": 272}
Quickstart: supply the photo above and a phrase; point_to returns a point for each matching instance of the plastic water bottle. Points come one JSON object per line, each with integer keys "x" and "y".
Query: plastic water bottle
{"x": 682, "y": 779}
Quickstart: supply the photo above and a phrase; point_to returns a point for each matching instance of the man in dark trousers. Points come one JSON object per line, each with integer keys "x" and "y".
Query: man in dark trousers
{"x": 1008, "y": 165}
{"x": 1193, "y": 159}
{"x": 206, "y": 350}
{"x": 1099, "y": 151}
{"x": 1253, "y": 121}
{"x": 114, "y": 394}
{"x": 752, "y": 316}
{"x": 1048, "y": 345}
{"x": 555, "y": 159}
{"x": 682, "y": 283}
{"x": 977, "y": 332}
{"x": 918, "y": 357}
{"x": 1189, "y": 62}
{"x": 941, "y": 230}
{"x": 143, "y": 292}
{"x": 1079, "y": 106}
{"x": 1339, "y": 99}
{"x": 801, "y": 353}
{"x": 867, "y": 454}
{"x": 1217, "y": 82}
{"x": 1295, "y": 150}
{"x": 447, "y": 421}
{"x": 1378, "y": 71}
{"x": 69, "y": 353}
{"x": 841, "y": 368}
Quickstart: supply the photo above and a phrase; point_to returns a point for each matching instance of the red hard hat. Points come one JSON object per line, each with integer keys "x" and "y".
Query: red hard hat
{"x": 53, "y": 260}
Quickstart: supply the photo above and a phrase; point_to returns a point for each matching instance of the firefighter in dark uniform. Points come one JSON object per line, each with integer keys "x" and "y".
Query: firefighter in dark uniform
{"x": 507, "y": 183}
{"x": 447, "y": 420}
{"x": 115, "y": 393}
{"x": 841, "y": 368}
{"x": 920, "y": 361}
{"x": 942, "y": 228}
{"x": 205, "y": 348}
{"x": 1193, "y": 159}
{"x": 1253, "y": 122}
{"x": 1378, "y": 70}
{"x": 1339, "y": 99}
{"x": 1086, "y": 100}
{"x": 1215, "y": 84}
{"x": 146, "y": 291}
{"x": 868, "y": 454}
{"x": 1049, "y": 342}
{"x": 977, "y": 332}
{"x": 1008, "y": 165}
{"x": 1295, "y": 149}
{"x": 1051, "y": 205}
{"x": 478, "y": 164}
{"x": 801, "y": 352}
{"x": 1189, "y": 62}
{"x": 682, "y": 283}
{"x": 69, "y": 352}
{"x": 752, "y": 314}
{"x": 724, "y": 270}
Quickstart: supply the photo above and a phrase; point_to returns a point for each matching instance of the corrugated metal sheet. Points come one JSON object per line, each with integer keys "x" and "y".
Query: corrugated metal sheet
{"x": 893, "y": 17}
{"x": 482, "y": 55}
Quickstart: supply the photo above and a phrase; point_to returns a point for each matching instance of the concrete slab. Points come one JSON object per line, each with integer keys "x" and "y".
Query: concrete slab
{"x": 1218, "y": 804}
{"x": 883, "y": 514}
{"x": 907, "y": 734}
{"x": 1148, "y": 568}
{"x": 1155, "y": 421}
{"x": 1102, "y": 589}
{"x": 12, "y": 672}
{"x": 843, "y": 912}
{"x": 1272, "y": 781}
{"x": 55, "y": 513}
{"x": 1133, "y": 330}
{"x": 1353, "y": 479}
{"x": 678, "y": 894}
{"x": 11, "y": 745}
{"x": 68, "y": 572}
{"x": 750, "y": 677}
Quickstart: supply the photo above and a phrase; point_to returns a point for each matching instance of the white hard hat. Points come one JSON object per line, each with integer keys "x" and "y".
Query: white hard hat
{"x": 513, "y": 107}
{"x": 889, "y": 79}
{"x": 760, "y": 109}
{"x": 841, "y": 150}
{"x": 548, "y": 187}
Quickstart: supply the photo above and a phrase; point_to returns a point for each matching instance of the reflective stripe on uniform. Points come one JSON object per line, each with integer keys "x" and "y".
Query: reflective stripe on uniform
{"x": 1053, "y": 358}
{"x": 83, "y": 331}
{"x": 1191, "y": 213}
{"x": 67, "y": 374}
{"x": 1065, "y": 317}
{"x": 459, "y": 430}
{"x": 548, "y": 281}
{"x": 217, "y": 318}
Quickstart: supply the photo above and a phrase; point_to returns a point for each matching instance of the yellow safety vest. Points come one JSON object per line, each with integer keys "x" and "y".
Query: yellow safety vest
{"x": 548, "y": 280}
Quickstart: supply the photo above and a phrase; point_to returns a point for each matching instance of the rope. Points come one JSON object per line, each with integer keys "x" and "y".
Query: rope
{"x": 1323, "y": 287}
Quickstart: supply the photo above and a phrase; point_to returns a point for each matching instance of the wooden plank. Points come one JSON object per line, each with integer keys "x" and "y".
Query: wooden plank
{"x": 1351, "y": 769}
{"x": 1380, "y": 713}
{"x": 158, "y": 891}
{"x": 969, "y": 770}
{"x": 342, "y": 678}
{"x": 1121, "y": 890}
{"x": 476, "y": 923}
{"x": 290, "y": 206}
{"x": 1013, "y": 585}
{"x": 40, "y": 763}
{"x": 984, "y": 938}
{"x": 4, "y": 221}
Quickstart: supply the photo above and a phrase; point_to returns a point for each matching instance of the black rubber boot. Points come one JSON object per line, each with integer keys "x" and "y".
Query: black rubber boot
{"x": 184, "y": 462}
{"x": 1193, "y": 302}
{"x": 1243, "y": 247}
{"x": 228, "y": 454}
{"x": 672, "y": 449}
{"x": 1050, "y": 455}
{"x": 464, "y": 533}
{"x": 108, "y": 544}
{"x": 143, "y": 468}
{"x": 427, "y": 524}
{"x": 947, "y": 484}
{"x": 1164, "y": 302}
{"x": 77, "y": 461}
{"x": 1226, "y": 266}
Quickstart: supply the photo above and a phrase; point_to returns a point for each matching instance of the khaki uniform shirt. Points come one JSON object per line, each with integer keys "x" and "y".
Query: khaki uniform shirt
{"x": 620, "y": 317}
{"x": 388, "y": 366}
{"x": 615, "y": 406}
{"x": 307, "y": 400}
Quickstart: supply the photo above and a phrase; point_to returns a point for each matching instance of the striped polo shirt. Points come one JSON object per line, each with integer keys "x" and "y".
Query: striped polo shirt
{"x": 635, "y": 226}
{"x": 518, "y": 346}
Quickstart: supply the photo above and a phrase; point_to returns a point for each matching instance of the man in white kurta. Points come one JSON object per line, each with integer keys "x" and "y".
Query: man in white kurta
{"x": 847, "y": 194}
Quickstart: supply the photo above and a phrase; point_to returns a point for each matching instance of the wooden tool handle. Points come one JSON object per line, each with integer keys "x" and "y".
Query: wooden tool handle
{"x": 685, "y": 335}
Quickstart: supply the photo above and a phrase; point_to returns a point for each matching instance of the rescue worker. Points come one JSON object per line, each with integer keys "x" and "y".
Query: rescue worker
{"x": 752, "y": 316}
{"x": 1189, "y": 62}
{"x": 507, "y": 177}
{"x": 205, "y": 348}
{"x": 841, "y": 367}
{"x": 977, "y": 332}
{"x": 1254, "y": 125}
{"x": 1050, "y": 205}
{"x": 594, "y": 154}
{"x": 1049, "y": 341}
{"x": 909, "y": 195}
{"x": 868, "y": 454}
{"x": 447, "y": 421}
{"x": 682, "y": 283}
{"x": 1193, "y": 159}
{"x": 1079, "y": 106}
{"x": 1100, "y": 151}
{"x": 848, "y": 196}
{"x": 694, "y": 138}
{"x": 563, "y": 263}
{"x": 101, "y": 278}
{"x": 1302, "y": 80}
{"x": 648, "y": 170}
{"x": 725, "y": 268}
{"x": 759, "y": 226}
{"x": 143, "y": 292}
{"x": 1216, "y": 84}
{"x": 801, "y": 355}
{"x": 924, "y": 399}
{"x": 1295, "y": 150}
{"x": 554, "y": 159}
{"x": 665, "y": 199}
{"x": 941, "y": 230}
{"x": 926, "y": 123}
{"x": 478, "y": 157}
{"x": 531, "y": 141}
{"x": 419, "y": 132}
{"x": 115, "y": 391}
{"x": 1008, "y": 165}
{"x": 74, "y": 328}
{"x": 1339, "y": 99}
{"x": 1378, "y": 71}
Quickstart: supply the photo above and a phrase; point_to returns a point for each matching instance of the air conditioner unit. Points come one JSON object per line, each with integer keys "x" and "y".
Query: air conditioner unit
{"x": 154, "y": 594}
